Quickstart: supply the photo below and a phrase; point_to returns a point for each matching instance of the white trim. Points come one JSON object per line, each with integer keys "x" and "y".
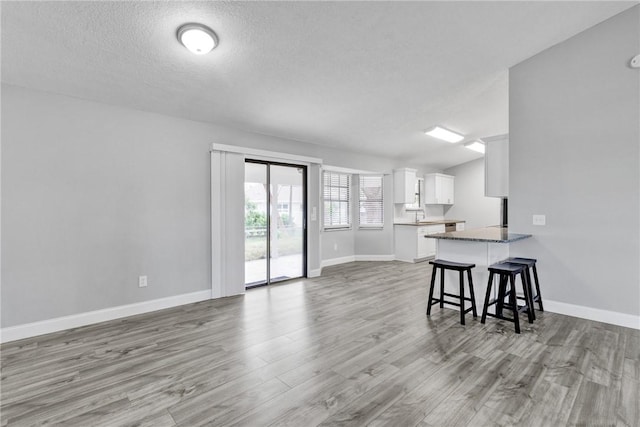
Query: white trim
{"x": 28, "y": 330}
{"x": 354, "y": 258}
{"x": 589, "y": 313}
{"x": 340, "y": 169}
{"x": 391, "y": 257}
{"x": 273, "y": 155}
{"x": 217, "y": 215}
{"x": 336, "y": 261}
{"x": 496, "y": 137}
{"x": 314, "y": 273}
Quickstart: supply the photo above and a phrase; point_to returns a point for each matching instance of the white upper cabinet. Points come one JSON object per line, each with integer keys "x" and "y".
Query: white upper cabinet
{"x": 404, "y": 185}
{"x": 439, "y": 189}
{"x": 496, "y": 167}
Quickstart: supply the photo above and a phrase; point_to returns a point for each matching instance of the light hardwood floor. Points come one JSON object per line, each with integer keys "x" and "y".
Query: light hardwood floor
{"x": 353, "y": 347}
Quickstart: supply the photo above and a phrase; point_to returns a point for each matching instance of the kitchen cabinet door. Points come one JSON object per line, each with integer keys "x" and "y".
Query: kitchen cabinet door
{"x": 439, "y": 189}
{"x": 424, "y": 246}
{"x": 404, "y": 184}
{"x": 446, "y": 183}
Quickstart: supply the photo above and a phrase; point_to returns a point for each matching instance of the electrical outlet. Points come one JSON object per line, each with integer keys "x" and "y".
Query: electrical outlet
{"x": 142, "y": 281}
{"x": 539, "y": 220}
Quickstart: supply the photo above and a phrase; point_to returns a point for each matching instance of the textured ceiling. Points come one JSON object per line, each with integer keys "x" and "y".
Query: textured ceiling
{"x": 366, "y": 77}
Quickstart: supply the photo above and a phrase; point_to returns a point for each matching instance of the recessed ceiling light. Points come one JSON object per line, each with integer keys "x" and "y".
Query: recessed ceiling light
{"x": 475, "y": 146}
{"x": 444, "y": 134}
{"x": 198, "y": 38}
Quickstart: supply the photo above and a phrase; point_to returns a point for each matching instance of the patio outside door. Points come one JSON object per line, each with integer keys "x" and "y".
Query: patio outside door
{"x": 275, "y": 222}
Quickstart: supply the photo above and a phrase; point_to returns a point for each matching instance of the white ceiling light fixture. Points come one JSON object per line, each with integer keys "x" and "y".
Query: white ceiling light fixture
{"x": 198, "y": 38}
{"x": 475, "y": 146}
{"x": 444, "y": 134}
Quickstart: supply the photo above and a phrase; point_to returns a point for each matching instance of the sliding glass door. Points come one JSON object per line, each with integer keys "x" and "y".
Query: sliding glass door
{"x": 275, "y": 222}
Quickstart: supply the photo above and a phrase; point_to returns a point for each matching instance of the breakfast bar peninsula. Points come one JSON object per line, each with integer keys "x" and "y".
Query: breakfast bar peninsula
{"x": 479, "y": 246}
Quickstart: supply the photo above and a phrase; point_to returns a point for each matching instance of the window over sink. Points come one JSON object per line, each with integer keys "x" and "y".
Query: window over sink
{"x": 417, "y": 201}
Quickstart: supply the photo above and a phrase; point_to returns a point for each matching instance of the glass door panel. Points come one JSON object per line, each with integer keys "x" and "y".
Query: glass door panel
{"x": 274, "y": 222}
{"x": 255, "y": 224}
{"x": 287, "y": 237}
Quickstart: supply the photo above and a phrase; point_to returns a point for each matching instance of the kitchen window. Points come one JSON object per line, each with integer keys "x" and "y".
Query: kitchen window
{"x": 417, "y": 201}
{"x": 371, "y": 205}
{"x": 337, "y": 199}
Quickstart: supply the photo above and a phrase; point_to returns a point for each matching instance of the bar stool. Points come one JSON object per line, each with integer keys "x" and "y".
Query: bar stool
{"x": 507, "y": 273}
{"x": 461, "y": 268}
{"x": 531, "y": 265}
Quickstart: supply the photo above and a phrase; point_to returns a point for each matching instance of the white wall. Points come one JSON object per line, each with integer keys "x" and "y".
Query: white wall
{"x": 375, "y": 243}
{"x": 470, "y": 203}
{"x": 95, "y": 195}
{"x": 574, "y": 156}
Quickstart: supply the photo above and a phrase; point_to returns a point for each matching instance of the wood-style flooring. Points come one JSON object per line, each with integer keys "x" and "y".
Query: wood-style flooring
{"x": 351, "y": 348}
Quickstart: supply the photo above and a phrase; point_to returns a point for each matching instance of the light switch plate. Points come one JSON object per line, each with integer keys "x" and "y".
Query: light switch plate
{"x": 314, "y": 214}
{"x": 539, "y": 220}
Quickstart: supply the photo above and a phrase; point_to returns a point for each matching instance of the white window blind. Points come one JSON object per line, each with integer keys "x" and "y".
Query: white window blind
{"x": 336, "y": 200}
{"x": 371, "y": 201}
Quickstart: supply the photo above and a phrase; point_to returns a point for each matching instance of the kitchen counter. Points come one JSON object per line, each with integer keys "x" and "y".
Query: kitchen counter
{"x": 480, "y": 246}
{"x": 423, "y": 222}
{"x": 486, "y": 234}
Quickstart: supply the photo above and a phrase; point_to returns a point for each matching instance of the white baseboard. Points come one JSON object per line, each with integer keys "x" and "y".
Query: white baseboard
{"x": 605, "y": 316}
{"x": 314, "y": 273}
{"x": 352, "y": 258}
{"x": 336, "y": 261}
{"x": 375, "y": 257}
{"x": 29, "y": 330}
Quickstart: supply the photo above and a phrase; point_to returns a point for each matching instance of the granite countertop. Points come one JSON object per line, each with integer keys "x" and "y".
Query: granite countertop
{"x": 487, "y": 234}
{"x": 423, "y": 222}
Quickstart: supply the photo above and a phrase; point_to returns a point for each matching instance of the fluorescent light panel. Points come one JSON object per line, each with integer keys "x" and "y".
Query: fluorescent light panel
{"x": 444, "y": 134}
{"x": 475, "y": 146}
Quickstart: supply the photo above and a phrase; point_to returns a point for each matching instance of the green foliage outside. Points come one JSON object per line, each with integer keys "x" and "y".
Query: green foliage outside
{"x": 252, "y": 216}
{"x": 289, "y": 239}
{"x": 256, "y": 247}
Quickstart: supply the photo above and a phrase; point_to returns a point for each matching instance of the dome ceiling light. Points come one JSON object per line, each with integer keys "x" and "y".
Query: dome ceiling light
{"x": 198, "y": 38}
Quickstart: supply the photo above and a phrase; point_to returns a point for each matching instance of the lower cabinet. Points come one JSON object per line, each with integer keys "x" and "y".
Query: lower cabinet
{"x": 410, "y": 243}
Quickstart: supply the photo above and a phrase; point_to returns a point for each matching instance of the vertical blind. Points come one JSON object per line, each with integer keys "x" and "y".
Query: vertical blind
{"x": 371, "y": 204}
{"x": 336, "y": 199}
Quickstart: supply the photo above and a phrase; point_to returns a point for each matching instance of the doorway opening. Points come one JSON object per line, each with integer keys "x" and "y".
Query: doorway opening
{"x": 275, "y": 222}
